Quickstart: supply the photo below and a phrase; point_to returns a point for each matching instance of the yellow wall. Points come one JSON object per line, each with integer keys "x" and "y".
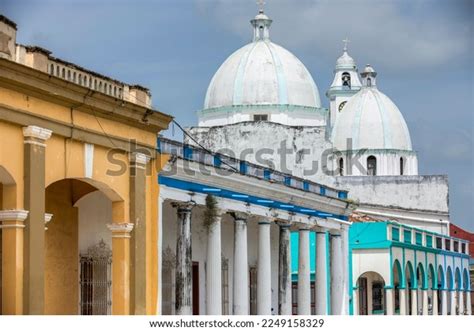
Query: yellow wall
{"x": 61, "y": 252}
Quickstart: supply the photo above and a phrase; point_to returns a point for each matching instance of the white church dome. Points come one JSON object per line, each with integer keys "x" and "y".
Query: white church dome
{"x": 262, "y": 73}
{"x": 371, "y": 120}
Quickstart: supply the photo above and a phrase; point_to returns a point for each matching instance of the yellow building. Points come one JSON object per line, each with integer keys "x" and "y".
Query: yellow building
{"x": 77, "y": 151}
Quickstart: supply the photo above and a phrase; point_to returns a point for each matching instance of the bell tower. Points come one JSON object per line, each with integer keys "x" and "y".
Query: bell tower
{"x": 346, "y": 83}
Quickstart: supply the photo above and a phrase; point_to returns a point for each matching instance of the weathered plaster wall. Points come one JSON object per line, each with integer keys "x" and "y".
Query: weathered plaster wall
{"x": 412, "y": 192}
{"x": 245, "y": 140}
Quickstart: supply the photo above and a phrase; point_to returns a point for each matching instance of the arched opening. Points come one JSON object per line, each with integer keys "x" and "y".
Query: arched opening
{"x": 421, "y": 287}
{"x": 410, "y": 283}
{"x": 346, "y": 80}
{"x": 402, "y": 166}
{"x": 398, "y": 285}
{"x": 441, "y": 286}
{"x": 371, "y": 287}
{"x": 465, "y": 288}
{"x": 450, "y": 287}
{"x": 78, "y": 247}
{"x": 371, "y": 166}
{"x": 369, "y": 82}
{"x": 341, "y": 166}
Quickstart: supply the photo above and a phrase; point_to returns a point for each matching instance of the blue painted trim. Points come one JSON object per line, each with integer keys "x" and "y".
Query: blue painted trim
{"x": 288, "y": 181}
{"x": 266, "y": 174}
{"x": 391, "y": 268}
{"x": 187, "y": 152}
{"x": 322, "y": 190}
{"x": 217, "y": 161}
{"x": 350, "y": 287}
{"x": 243, "y": 167}
{"x": 200, "y": 188}
{"x": 342, "y": 195}
{"x": 306, "y": 186}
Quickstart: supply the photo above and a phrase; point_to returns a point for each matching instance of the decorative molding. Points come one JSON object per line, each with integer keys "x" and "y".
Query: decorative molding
{"x": 47, "y": 218}
{"x": 184, "y": 206}
{"x": 120, "y": 230}
{"x": 13, "y": 215}
{"x": 99, "y": 251}
{"x": 36, "y": 132}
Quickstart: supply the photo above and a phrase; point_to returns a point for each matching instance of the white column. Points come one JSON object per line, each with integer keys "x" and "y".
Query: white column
{"x": 403, "y": 301}
{"x": 452, "y": 293}
{"x": 322, "y": 290}
{"x": 461, "y": 302}
{"x": 425, "y": 301}
{"x": 184, "y": 305}
{"x": 468, "y": 303}
{"x": 284, "y": 272}
{"x": 337, "y": 274}
{"x": 264, "y": 279}
{"x": 304, "y": 274}
{"x": 355, "y": 302}
{"x": 346, "y": 271}
{"x": 390, "y": 301}
{"x": 444, "y": 302}
{"x": 214, "y": 268}
{"x": 241, "y": 270}
{"x": 434, "y": 301}
{"x": 414, "y": 301}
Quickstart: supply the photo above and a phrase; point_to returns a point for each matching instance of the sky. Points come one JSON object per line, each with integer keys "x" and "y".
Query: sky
{"x": 423, "y": 51}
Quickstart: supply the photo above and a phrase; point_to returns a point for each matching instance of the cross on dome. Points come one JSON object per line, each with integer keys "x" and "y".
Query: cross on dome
{"x": 261, "y": 5}
{"x": 346, "y": 41}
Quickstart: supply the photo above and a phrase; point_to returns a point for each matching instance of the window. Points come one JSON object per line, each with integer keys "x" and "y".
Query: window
{"x": 341, "y": 167}
{"x": 401, "y": 166}
{"x": 419, "y": 238}
{"x": 377, "y": 296}
{"x": 456, "y": 246}
{"x": 64, "y": 73}
{"x": 395, "y": 234}
{"x": 260, "y": 117}
{"x": 369, "y": 82}
{"x": 52, "y": 69}
{"x": 69, "y": 75}
{"x": 407, "y": 236}
{"x": 346, "y": 80}
{"x": 463, "y": 248}
{"x": 439, "y": 243}
{"x": 74, "y": 77}
{"x": 429, "y": 241}
{"x": 96, "y": 280}
{"x": 371, "y": 166}
{"x": 447, "y": 244}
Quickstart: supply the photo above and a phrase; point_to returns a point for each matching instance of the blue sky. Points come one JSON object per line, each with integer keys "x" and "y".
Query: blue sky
{"x": 423, "y": 51}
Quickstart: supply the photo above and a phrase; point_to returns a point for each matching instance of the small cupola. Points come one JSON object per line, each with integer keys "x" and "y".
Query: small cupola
{"x": 368, "y": 76}
{"x": 261, "y": 26}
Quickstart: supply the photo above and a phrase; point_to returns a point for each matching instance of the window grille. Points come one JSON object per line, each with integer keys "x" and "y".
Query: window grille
{"x": 225, "y": 286}
{"x": 96, "y": 280}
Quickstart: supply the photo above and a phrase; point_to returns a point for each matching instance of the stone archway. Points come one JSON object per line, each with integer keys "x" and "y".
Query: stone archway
{"x": 72, "y": 202}
{"x": 372, "y": 298}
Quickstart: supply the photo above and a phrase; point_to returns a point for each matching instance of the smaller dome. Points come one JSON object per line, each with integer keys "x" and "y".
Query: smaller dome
{"x": 345, "y": 61}
{"x": 368, "y": 69}
{"x": 372, "y": 121}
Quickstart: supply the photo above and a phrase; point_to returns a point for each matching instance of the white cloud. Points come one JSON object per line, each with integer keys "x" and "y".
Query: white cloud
{"x": 395, "y": 34}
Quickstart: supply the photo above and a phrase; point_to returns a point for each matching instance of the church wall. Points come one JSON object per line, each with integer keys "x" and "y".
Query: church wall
{"x": 429, "y": 193}
{"x": 246, "y": 140}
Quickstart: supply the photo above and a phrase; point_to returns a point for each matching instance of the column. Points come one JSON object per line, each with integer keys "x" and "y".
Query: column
{"x": 403, "y": 301}
{"x": 241, "y": 269}
{"x": 355, "y": 302}
{"x": 452, "y": 293}
{"x": 390, "y": 301}
{"x": 264, "y": 280}
{"x": 337, "y": 274}
{"x": 284, "y": 271}
{"x": 304, "y": 274}
{"x": 461, "y": 302}
{"x": 120, "y": 267}
{"x": 345, "y": 267}
{"x": 184, "y": 274}
{"x": 468, "y": 303}
{"x": 414, "y": 301}
{"x": 138, "y": 241}
{"x": 34, "y": 202}
{"x": 425, "y": 301}
{"x": 444, "y": 302}
{"x": 434, "y": 301}
{"x": 214, "y": 268}
{"x": 322, "y": 279}
{"x": 11, "y": 225}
